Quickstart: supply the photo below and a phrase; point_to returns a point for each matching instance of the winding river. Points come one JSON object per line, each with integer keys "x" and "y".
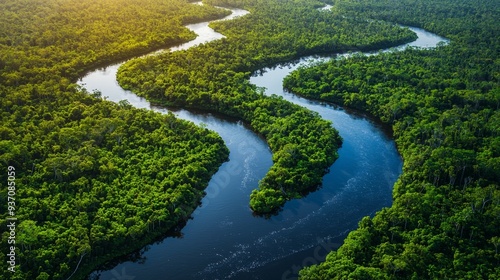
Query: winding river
{"x": 224, "y": 240}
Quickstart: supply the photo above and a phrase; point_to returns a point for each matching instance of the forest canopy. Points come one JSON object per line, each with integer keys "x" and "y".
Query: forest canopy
{"x": 443, "y": 105}
{"x": 92, "y": 175}
{"x": 215, "y": 77}
{"x": 93, "y": 179}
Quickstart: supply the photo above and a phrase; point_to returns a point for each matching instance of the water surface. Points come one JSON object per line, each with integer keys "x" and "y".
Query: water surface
{"x": 224, "y": 240}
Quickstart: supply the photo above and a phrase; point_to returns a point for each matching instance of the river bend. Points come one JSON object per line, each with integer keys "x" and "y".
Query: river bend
{"x": 224, "y": 240}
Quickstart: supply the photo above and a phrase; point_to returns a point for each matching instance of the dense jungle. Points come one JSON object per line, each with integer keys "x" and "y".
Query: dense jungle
{"x": 95, "y": 180}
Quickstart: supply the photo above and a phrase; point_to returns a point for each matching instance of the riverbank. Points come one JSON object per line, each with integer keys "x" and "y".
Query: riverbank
{"x": 387, "y": 180}
{"x": 187, "y": 82}
{"x": 91, "y": 175}
{"x": 445, "y": 120}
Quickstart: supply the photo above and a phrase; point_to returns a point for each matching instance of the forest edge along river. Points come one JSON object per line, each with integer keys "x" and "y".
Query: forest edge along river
{"x": 224, "y": 240}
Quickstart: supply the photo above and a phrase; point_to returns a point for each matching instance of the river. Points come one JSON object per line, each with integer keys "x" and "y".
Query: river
{"x": 223, "y": 240}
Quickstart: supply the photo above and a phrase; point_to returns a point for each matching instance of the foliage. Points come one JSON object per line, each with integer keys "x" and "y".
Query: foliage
{"x": 94, "y": 179}
{"x": 214, "y": 77}
{"x": 40, "y": 39}
{"x": 444, "y": 108}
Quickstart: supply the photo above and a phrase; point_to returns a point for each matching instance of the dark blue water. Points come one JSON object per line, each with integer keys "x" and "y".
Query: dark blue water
{"x": 224, "y": 240}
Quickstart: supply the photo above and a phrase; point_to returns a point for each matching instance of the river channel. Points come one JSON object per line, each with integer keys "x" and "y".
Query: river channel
{"x": 223, "y": 240}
